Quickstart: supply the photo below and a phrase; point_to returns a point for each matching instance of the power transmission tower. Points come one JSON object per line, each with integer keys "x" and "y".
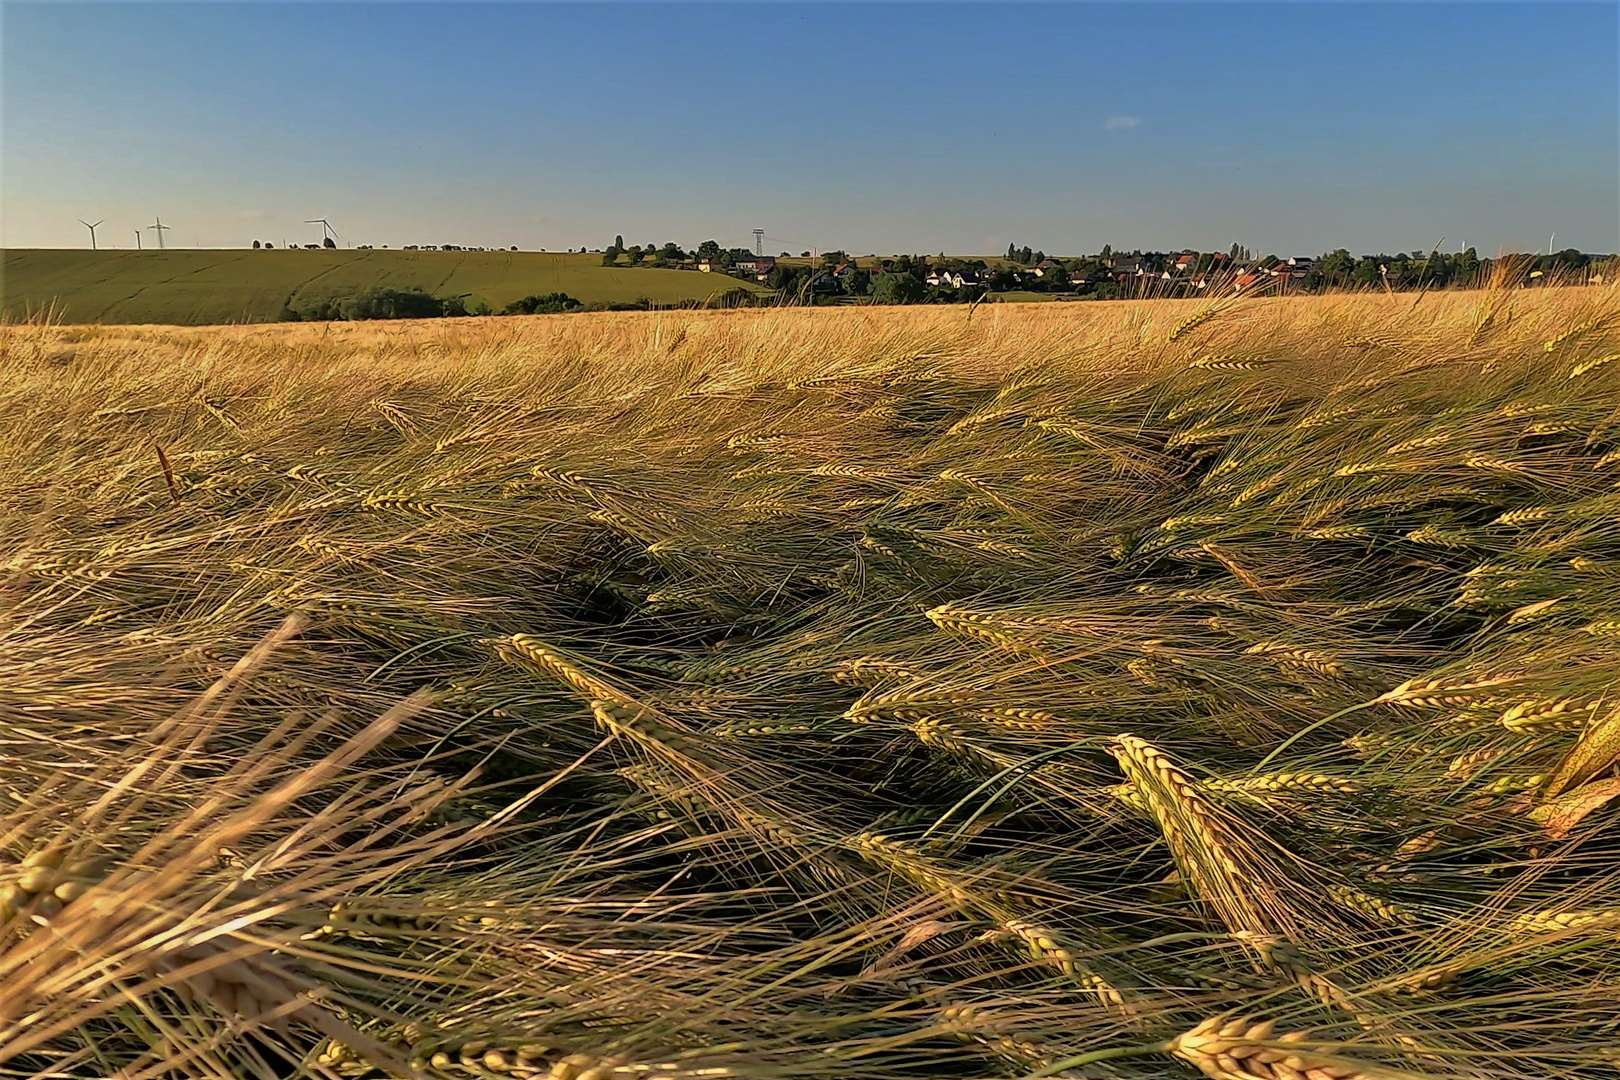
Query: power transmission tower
{"x": 759, "y": 241}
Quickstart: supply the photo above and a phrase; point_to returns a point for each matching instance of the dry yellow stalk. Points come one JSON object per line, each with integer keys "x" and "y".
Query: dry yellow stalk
{"x": 1370, "y": 905}
{"x": 1198, "y": 840}
{"x": 1557, "y": 714}
{"x": 530, "y": 651}
{"x": 1240, "y": 1050}
{"x": 1443, "y": 691}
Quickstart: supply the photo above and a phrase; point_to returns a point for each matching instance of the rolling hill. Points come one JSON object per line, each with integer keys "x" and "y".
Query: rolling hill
{"x": 235, "y": 286}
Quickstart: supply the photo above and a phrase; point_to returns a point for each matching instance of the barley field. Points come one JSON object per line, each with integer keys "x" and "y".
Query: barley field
{"x": 1126, "y": 690}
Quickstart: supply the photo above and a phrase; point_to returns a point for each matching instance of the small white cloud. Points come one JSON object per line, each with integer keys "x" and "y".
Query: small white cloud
{"x": 1122, "y": 123}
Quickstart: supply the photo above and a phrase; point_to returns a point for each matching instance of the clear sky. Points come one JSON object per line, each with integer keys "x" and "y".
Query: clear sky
{"x": 884, "y": 127}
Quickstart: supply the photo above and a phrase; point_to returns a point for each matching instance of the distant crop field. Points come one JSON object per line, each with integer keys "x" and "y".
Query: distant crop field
{"x": 210, "y": 286}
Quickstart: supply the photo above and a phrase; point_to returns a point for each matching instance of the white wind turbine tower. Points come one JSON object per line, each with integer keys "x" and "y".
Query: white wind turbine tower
{"x": 92, "y": 229}
{"x": 326, "y": 228}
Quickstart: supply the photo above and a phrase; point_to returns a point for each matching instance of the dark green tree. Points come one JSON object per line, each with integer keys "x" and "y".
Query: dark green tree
{"x": 709, "y": 249}
{"x": 898, "y": 289}
{"x": 1336, "y": 267}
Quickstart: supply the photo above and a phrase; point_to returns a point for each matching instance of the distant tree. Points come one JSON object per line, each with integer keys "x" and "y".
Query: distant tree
{"x": 637, "y": 254}
{"x": 618, "y": 242}
{"x": 672, "y": 252}
{"x": 709, "y": 249}
{"x": 1366, "y": 271}
{"x": 1106, "y": 253}
{"x": 268, "y": 244}
{"x": 255, "y": 245}
{"x": 858, "y": 283}
{"x": 785, "y": 278}
{"x": 1037, "y": 257}
{"x": 1026, "y": 257}
{"x": 329, "y": 242}
{"x": 1056, "y": 279}
{"x": 898, "y": 289}
{"x": 610, "y": 256}
{"x": 834, "y": 258}
{"x": 1466, "y": 265}
{"x": 1336, "y": 267}
{"x": 514, "y": 246}
{"x": 1003, "y": 280}
{"x": 1268, "y": 262}
{"x": 549, "y": 304}
{"x": 1012, "y": 253}
{"x": 804, "y": 254}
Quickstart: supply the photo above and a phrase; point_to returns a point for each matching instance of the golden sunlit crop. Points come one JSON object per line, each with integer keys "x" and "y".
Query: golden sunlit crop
{"x": 1089, "y": 690}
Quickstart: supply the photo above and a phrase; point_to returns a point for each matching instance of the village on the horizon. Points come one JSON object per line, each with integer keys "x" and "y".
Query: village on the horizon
{"x": 828, "y": 276}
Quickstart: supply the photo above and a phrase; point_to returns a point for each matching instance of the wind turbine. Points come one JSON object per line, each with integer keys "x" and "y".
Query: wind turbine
{"x": 326, "y": 228}
{"x": 160, "y": 229}
{"x": 92, "y": 229}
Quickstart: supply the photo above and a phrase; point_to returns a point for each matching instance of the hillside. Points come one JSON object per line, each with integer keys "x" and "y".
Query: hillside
{"x": 214, "y": 286}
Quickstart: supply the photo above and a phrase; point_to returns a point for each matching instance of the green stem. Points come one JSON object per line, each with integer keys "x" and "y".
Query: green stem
{"x": 1099, "y": 1055}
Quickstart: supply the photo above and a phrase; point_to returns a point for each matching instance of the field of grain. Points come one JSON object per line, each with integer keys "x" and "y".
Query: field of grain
{"x": 202, "y": 287}
{"x": 1109, "y": 690}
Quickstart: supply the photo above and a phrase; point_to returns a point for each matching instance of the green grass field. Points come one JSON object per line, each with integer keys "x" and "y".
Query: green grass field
{"x": 211, "y": 286}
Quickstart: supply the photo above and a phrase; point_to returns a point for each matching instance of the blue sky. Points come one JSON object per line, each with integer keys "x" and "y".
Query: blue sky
{"x": 871, "y": 127}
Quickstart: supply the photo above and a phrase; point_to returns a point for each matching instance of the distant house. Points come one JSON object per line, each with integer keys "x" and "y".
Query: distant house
{"x": 1199, "y": 281}
{"x": 843, "y": 270}
{"x": 960, "y": 279}
{"x": 824, "y": 282}
{"x": 1044, "y": 265}
{"x": 1126, "y": 266}
{"x": 755, "y": 264}
{"x": 1248, "y": 280}
{"x": 1303, "y": 262}
{"x": 708, "y": 265}
{"x": 934, "y": 279}
{"x": 1186, "y": 262}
